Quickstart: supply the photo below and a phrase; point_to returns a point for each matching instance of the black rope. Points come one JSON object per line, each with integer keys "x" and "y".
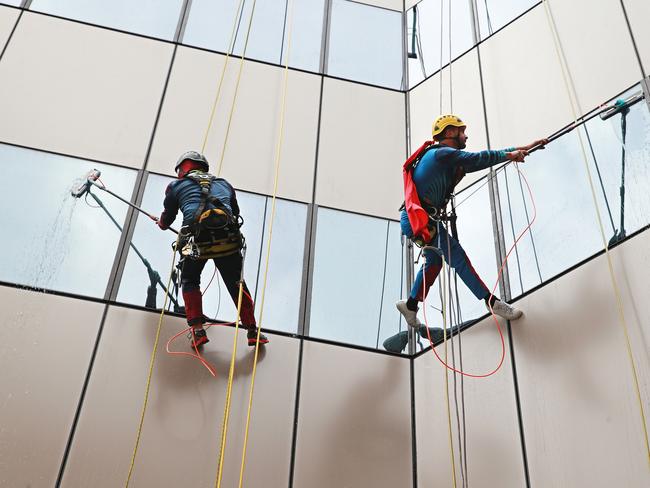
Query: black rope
{"x": 512, "y": 229}
{"x": 489, "y": 20}
{"x": 454, "y": 306}
{"x": 600, "y": 179}
{"x": 530, "y": 229}
{"x": 284, "y": 29}
{"x": 383, "y": 284}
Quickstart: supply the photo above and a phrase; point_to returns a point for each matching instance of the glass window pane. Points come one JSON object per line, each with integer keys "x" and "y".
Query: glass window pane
{"x": 15, "y": 3}
{"x": 154, "y": 18}
{"x": 632, "y": 176}
{"x": 494, "y": 14}
{"x": 565, "y": 213}
{"x": 365, "y": 44}
{"x": 424, "y": 23}
{"x": 210, "y": 25}
{"x": 284, "y": 282}
{"x": 566, "y": 229}
{"x": 348, "y": 277}
{"x": 391, "y": 321}
{"x": 51, "y": 239}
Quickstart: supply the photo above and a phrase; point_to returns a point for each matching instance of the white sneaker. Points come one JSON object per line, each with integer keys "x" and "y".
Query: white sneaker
{"x": 502, "y": 309}
{"x": 410, "y": 316}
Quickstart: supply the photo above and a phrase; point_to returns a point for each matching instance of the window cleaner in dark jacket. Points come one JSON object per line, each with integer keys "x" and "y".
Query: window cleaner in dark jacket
{"x": 430, "y": 182}
{"x": 210, "y": 230}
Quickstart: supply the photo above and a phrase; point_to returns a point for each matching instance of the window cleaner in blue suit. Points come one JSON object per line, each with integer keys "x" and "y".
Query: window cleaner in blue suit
{"x": 211, "y": 230}
{"x": 430, "y": 176}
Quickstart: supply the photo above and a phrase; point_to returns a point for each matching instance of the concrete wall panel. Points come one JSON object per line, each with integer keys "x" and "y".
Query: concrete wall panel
{"x": 638, "y": 12}
{"x": 610, "y": 57}
{"x": 580, "y": 411}
{"x": 249, "y": 160}
{"x": 493, "y": 449}
{"x": 354, "y": 426}
{"x": 45, "y": 347}
{"x": 8, "y": 17}
{"x": 81, "y": 90}
{"x": 362, "y": 149}
{"x": 182, "y": 429}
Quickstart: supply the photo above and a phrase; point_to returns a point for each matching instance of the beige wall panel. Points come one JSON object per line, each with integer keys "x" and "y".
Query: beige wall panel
{"x": 354, "y": 426}
{"x": 465, "y": 100}
{"x": 580, "y": 411}
{"x": 598, "y": 48}
{"x": 249, "y": 161}
{"x": 45, "y": 347}
{"x": 362, "y": 140}
{"x": 8, "y": 18}
{"x": 638, "y": 12}
{"x": 493, "y": 446}
{"x": 525, "y": 94}
{"x": 81, "y": 90}
{"x": 182, "y": 429}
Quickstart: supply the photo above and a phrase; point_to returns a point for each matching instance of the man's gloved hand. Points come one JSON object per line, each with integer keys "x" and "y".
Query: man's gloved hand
{"x": 539, "y": 142}
{"x": 160, "y": 224}
{"x": 517, "y": 155}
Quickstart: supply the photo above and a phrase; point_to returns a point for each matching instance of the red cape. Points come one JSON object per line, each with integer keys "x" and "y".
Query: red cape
{"x": 418, "y": 217}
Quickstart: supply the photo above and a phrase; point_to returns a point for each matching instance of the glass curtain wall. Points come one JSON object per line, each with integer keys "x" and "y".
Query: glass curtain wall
{"x": 566, "y": 229}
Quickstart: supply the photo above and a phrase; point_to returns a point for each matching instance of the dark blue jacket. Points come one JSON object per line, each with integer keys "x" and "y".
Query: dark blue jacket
{"x": 442, "y": 167}
{"x": 185, "y": 194}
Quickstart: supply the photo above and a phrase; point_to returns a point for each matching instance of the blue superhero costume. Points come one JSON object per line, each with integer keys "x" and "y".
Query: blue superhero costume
{"x": 435, "y": 177}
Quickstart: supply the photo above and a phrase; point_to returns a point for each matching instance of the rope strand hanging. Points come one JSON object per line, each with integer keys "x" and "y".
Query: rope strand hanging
{"x": 162, "y": 314}
{"x": 573, "y": 99}
{"x": 276, "y": 180}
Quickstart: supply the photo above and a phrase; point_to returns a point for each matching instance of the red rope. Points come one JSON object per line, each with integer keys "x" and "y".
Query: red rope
{"x": 494, "y": 317}
{"x": 211, "y": 369}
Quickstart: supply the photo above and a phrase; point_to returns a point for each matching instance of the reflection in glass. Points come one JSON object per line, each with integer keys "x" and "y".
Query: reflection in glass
{"x": 356, "y": 278}
{"x": 621, "y": 146}
{"x": 154, "y": 18}
{"x": 285, "y": 273}
{"x": 50, "y": 239}
{"x": 210, "y": 25}
{"x": 365, "y": 44}
{"x": 424, "y": 37}
{"x": 566, "y": 230}
{"x": 284, "y": 281}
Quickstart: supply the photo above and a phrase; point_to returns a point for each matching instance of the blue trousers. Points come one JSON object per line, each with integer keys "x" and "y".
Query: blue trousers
{"x": 454, "y": 255}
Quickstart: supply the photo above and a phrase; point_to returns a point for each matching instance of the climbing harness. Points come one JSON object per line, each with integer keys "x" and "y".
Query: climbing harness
{"x": 214, "y": 232}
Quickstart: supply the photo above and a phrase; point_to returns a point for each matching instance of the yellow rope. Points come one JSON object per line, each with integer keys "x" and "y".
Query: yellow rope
{"x": 234, "y": 98}
{"x": 268, "y": 248}
{"x": 229, "y": 51}
{"x": 572, "y": 93}
{"x": 231, "y": 373}
{"x": 151, "y": 364}
{"x": 444, "y": 339}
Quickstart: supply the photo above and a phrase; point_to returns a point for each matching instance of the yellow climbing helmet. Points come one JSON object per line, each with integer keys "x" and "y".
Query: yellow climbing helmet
{"x": 445, "y": 121}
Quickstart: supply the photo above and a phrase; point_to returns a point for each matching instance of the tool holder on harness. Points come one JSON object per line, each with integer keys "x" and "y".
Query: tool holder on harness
{"x": 215, "y": 232}
{"x": 436, "y": 215}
